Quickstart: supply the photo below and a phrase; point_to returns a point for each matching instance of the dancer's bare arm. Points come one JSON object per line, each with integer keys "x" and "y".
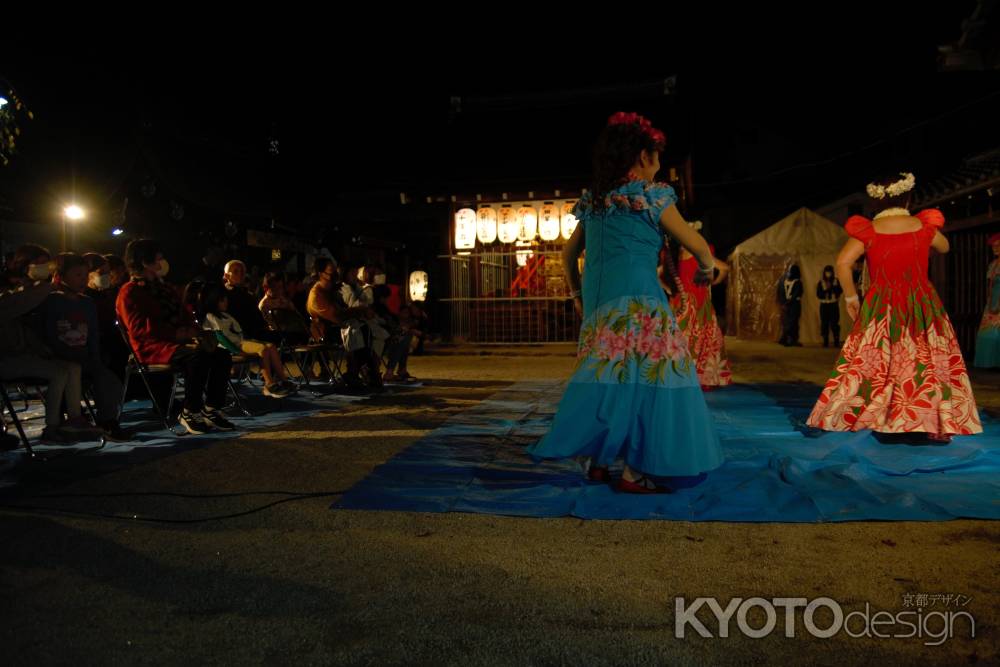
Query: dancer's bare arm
{"x": 850, "y": 254}
{"x": 674, "y": 224}
{"x": 940, "y": 243}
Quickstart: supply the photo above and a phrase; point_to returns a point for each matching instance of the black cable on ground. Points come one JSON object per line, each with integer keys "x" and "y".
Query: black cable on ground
{"x": 135, "y": 517}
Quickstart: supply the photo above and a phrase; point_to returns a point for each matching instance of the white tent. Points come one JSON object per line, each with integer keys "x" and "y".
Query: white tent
{"x": 804, "y": 238}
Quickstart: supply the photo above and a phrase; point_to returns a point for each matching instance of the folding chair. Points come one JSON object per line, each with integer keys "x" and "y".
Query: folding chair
{"x": 144, "y": 371}
{"x": 21, "y": 383}
{"x": 334, "y": 351}
{"x": 9, "y": 407}
{"x": 294, "y": 331}
{"x": 239, "y": 361}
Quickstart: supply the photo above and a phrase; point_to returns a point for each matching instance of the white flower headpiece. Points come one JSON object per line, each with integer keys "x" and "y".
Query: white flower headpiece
{"x": 904, "y": 184}
{"x": 696, "y": 225}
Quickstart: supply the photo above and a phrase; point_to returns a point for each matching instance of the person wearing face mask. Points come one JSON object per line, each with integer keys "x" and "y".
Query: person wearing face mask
{"x": 331, "y": 316}
{"x": 117, "y": 271}
{"x": 366, "y": 284}
{"x": 103, "y": 282}
{"x": 162, "y": 331}
{"x": 790, "y": 300}
{"x": 99, "y": 289}
{"x": 349, "y": 286}
{"x": 30, "y": 264}
{"x": 366, "y": 298}
{"x": 98, "y": 273}
{"x": 24, "y": 355}
{"x": 828, "y": 292}
{"x": 72, "y": 331}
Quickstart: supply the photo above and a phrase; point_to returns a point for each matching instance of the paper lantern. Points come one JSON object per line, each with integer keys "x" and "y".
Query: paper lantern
{"x": 465, "y": 229}
{"x": 548, "y": 222}
{"x": 527, "y": 218}
{"x": 486, "y": 225}
{"x": 569, "y": 221}
{"x": 418, "y": 286}
{"x": 507, "y": 225}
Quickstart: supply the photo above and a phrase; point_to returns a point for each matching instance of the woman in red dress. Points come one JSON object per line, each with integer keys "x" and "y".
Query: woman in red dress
{"x": 900, "y": 370}
{"x": 692, "y": 304}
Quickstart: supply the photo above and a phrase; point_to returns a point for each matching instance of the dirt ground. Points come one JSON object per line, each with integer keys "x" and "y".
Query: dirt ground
{"x": 297, "y": 583}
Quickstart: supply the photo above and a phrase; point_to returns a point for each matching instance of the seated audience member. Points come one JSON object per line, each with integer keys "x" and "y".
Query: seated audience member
{"x": 73, "y": 333}
{"x": 214, "y": 303}
{"x": 162, "y": 331}
{"x": 23, "y": 355}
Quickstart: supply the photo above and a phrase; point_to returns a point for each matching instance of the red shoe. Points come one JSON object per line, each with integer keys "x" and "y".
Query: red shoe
{"x": 643, "y": 485}
{"x": 599, "y": 474}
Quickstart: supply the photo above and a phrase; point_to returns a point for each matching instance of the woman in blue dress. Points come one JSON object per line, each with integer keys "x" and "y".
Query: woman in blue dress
{"x": 634, "y": 394}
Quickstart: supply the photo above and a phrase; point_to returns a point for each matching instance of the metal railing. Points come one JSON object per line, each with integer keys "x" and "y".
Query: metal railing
{"x": 494, "y": 298}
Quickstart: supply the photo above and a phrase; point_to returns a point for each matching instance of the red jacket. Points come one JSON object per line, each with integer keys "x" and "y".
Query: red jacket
{"x": 153, "y": 337}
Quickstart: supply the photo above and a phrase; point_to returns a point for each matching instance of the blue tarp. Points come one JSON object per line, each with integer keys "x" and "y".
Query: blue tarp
{"x": 776, "y": 470}
{"x": 152, "y": 440}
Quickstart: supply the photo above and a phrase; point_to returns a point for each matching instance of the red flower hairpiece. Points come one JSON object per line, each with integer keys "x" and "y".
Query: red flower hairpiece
{"x": 993, "y": 239}
{"x": 623, "y": 118}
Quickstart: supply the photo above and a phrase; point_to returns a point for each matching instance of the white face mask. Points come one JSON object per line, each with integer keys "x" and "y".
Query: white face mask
{"x": 164, "y": 268}
{"x": 39, "y": 271}
{"x": 100, "y": 281}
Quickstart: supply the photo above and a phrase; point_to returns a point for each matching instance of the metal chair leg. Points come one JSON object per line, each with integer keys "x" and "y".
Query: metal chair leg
{"x": 17, "y": 423}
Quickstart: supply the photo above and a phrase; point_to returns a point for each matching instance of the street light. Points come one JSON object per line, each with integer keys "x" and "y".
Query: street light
{"x": 74, "y": 213}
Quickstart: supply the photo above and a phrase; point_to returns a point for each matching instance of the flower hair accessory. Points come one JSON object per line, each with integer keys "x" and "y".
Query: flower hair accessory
{"x": 904, "y": 184}
{"x": 623, "y": 118}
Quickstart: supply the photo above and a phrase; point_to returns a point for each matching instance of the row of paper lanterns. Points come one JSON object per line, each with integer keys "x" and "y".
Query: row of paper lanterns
{"x": 509, "y": 225}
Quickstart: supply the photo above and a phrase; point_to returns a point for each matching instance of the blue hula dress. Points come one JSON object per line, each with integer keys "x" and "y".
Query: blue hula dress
{"x": 634, "y": 394}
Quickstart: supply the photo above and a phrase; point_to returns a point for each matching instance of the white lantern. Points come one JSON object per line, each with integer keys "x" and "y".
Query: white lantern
{"x": 465, "y": 229}
{"x": 527, "y": 218}
{"x": 507, "y": 225}
{"x": 522, "y": 255}
{"x": 548, "y": 222}
{"x": 486, "y": 225}
{"x": 569, "y": 220}
{"x": 418, "y": 286}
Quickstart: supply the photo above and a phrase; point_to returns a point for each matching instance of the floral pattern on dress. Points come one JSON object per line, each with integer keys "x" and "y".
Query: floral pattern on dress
{"x": 637, "y": 336}
{"x": 705, "y": 340}
{"x": 898, "y": 374}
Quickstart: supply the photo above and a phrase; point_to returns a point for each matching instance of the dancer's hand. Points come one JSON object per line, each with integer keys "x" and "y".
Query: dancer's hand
{"x": 578, "y": 305}
{"x": 702, "y": 278}
{"x": 853, "y": 309}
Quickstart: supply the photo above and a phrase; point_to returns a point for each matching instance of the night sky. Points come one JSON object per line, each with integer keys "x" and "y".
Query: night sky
{"x": 772, "y": 118}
